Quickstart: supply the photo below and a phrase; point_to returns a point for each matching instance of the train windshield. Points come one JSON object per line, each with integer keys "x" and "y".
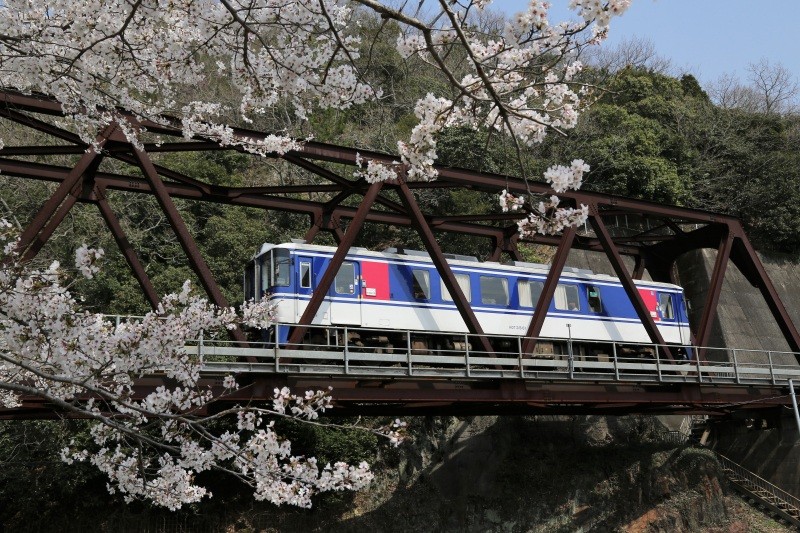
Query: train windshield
{"x": 275, "y": 269}
{"x": 280, "y": 268}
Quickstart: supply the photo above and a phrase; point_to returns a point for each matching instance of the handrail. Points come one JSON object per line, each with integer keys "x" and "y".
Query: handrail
{"x": 754, "y": 482}
{"x": 609, "y": 361}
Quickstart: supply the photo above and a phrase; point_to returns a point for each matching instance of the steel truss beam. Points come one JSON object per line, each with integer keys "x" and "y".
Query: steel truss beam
{"x": 654, "y": 248}
{"x": 625, "y": 278}
{"x": 324, "y": 284}
{"x": 411, "y": 397}
{"x": 548, "y": 290}
{"x": 125, "y": 247}
{"x": 714, "y": 290}
{"x": 439, "y": 260}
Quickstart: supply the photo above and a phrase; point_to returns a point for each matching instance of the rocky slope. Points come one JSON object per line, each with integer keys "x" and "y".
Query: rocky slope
{"x": 541, "y": 474}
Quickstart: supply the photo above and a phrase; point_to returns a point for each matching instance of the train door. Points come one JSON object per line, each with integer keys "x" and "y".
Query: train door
{"x": 304, "y": 276}
{"x": 345, "y": 295}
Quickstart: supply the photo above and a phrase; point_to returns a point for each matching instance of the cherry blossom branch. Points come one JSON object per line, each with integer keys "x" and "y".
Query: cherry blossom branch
{"x": 152, "y": 447}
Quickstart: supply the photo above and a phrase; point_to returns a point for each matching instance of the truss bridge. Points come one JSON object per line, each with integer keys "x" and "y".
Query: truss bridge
{"x": 637, "y": 238}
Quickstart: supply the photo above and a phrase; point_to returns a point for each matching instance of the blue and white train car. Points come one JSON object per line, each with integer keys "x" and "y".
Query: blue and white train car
{"x": 396, "y": 291}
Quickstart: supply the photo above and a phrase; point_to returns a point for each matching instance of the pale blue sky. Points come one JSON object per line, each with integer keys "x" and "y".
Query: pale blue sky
{"x": 705, "y": 37}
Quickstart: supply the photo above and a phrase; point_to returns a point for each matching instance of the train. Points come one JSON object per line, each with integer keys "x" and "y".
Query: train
{"x": 393, "y": 298}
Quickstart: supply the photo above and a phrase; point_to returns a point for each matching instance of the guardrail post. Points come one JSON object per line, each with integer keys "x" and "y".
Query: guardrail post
{"x": 569, "y": 352}
{"x": 658, "y": 363}
{"x": 466, "y": 354}
{"x": 277, "y": 352}
{"x": 408, "y": 352}
{"x": 616, "y": 362}
{"x": 346, "y": 352}
{"x": 200, "y": 348}
{"x": 697, "y": 361}
{"x": 771, "y": 368}
{"x": 519, "y": 353}
{"x": 735, "y": 367}
{"x": 794, "y": 404}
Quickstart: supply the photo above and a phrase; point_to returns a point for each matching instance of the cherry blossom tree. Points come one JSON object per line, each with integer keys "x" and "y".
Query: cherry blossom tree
{"x": 126, "y": 60}
{"x": 129, "y": 61}
{"x": 152, "y": 447}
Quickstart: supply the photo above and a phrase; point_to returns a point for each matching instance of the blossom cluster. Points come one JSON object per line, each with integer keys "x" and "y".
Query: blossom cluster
{"x": 509, "y": 202}
{"x": 513, "y": 83}
{"x": 563, "y": 178}
{"x": 87, "y": 260}
{"x": 96, "y": 57}
{"x": 600, "y": 10}
{"x": 375, "y": 171}
{"x": 152, "y": 446}
{"x": 547, "y": 217}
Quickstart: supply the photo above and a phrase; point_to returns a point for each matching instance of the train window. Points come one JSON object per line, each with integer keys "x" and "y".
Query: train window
{"x": 305, "y": 275}
{"x": 463, "y": 282}
{"x": 281, "y": 263}
{"x": 529, "y": 292}
{"x": 494, "y": 290}
{"x": 566, "y": 297}
{"x": 665, "y": 305}
{"x": 345, "y": 279}
{"x": 421, "y": 284}
{"x": 593, "y": 296}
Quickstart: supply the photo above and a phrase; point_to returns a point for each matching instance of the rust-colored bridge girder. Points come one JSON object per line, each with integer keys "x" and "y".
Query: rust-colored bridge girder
{"x": 325, "y": 282}
{"x": 125, "y": 247}
{"x": 413, "y": 397}
{"x": 439, "y": 260}
{"x": 548, "y": 289}
{"x": 673, "y": 232}
{"x": 625, "y": 278}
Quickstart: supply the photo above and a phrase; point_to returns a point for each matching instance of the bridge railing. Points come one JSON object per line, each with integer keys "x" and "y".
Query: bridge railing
{"x": 449, "y": 355}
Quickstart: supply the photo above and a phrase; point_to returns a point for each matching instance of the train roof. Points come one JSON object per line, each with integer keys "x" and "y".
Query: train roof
{"x": 464, "y": 261}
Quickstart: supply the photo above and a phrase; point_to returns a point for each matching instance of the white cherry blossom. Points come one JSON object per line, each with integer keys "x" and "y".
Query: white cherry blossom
{"x": 152, "y": 447}
{"x": 547, "y": 217}
{"x": 126, "y": 63}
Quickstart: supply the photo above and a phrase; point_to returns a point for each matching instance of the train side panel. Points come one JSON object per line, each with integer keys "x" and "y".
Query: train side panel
{"x": 406, "y": 293}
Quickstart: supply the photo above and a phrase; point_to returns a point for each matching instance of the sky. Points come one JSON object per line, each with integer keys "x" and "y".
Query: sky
{"x": 706, "y": 38}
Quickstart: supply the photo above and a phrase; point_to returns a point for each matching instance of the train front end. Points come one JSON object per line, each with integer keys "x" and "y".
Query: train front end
{"x": 268, "y": 276}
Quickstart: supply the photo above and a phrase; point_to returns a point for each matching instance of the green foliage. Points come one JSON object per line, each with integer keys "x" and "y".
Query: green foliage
{"x": 691, "y": 87}
{"x": 659, "y": 138}
{"x": 330, "y": 444}
{"x": 632, "y": 138}
{"x": 36, "y": 488}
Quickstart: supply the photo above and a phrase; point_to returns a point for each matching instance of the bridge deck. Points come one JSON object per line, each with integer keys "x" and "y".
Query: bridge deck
{"x": 409, "y": 380}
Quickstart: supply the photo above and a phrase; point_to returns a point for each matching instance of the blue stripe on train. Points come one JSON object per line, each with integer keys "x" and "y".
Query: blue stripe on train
{"x": 576, "y": 315}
